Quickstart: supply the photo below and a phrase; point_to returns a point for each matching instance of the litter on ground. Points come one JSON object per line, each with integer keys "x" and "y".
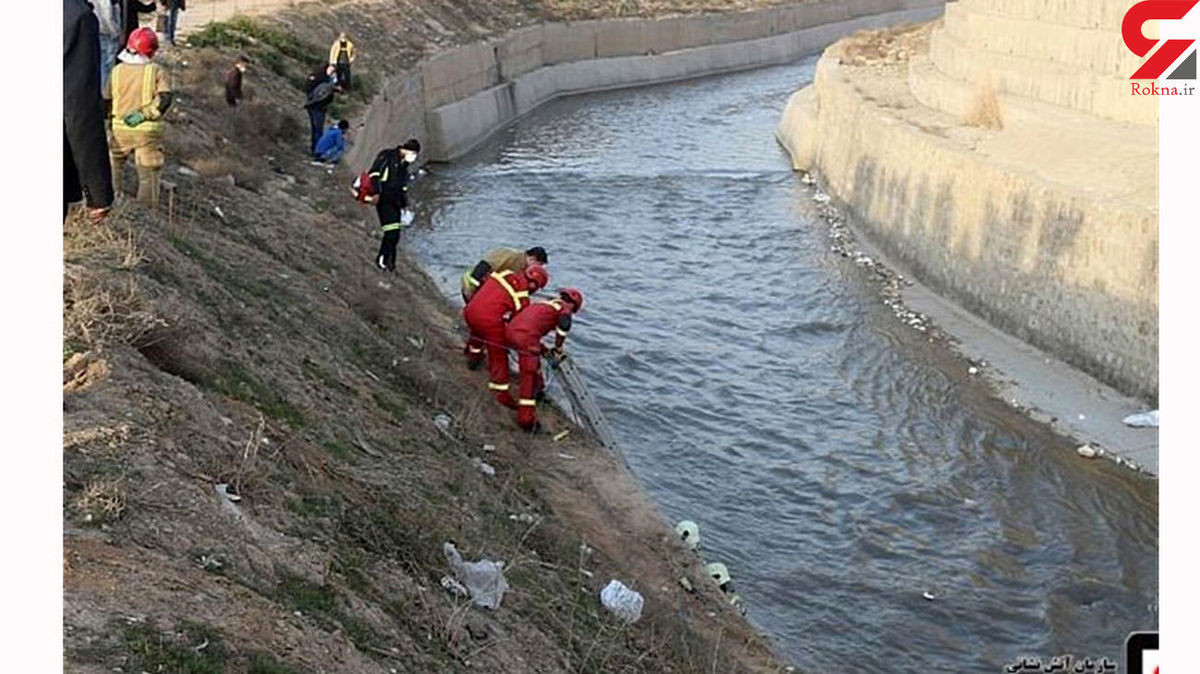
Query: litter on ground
{"x": 621, "y": 601}
{"x": 484, "y": 579}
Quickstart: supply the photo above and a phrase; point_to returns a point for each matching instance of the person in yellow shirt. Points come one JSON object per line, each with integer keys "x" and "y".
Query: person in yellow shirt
{"x": 341, "y": 55}
{"x": 137, "y": 96}
{"x": 501, "y": 259}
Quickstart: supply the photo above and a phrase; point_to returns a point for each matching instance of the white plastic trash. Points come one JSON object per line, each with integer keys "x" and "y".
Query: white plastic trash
{"x": 688, "y": 532}
{"x": 1143, "y": 420}
{"x": 483, "y": 579}
{"x": 623, "y": 602}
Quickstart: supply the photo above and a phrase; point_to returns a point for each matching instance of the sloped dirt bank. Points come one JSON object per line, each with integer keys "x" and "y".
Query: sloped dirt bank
{"x": 239, "y": 336}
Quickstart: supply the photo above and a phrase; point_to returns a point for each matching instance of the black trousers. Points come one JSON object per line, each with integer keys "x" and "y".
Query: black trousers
{"x": 343, "y": 75}
{"x": 387, "y": 249}
{"x": 389, "y": 216}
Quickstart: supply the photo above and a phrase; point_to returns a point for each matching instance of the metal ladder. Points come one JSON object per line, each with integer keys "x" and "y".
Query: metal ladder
{"x": 583, "y": 406}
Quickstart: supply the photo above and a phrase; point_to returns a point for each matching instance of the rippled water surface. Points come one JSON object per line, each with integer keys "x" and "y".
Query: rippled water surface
{"x": 834, "y": 460}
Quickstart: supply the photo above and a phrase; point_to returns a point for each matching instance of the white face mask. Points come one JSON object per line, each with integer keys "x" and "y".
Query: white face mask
{"x": 410, "y": 157}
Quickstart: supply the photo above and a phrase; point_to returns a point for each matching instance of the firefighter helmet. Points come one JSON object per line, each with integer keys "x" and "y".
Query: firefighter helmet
{"x": 143, "y": 41}
{"x": 573, "y": 296}
{"x": 538, "y": 278}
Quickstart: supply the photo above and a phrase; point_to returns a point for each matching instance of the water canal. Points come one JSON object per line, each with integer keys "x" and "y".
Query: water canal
{"x": 836, "y": 462}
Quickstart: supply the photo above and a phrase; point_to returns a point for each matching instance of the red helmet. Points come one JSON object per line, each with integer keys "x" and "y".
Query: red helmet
{"x": 573, "y": 296}
{"x": 537, "y": 276}
{"x": 143, "y": 41}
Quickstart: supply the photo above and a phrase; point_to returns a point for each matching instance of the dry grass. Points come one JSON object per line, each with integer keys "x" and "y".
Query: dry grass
{"x": 102, "y": 501}
{"x": 885, "y": 46}
{"x": 101, "y": 300}
{"x": 984, "y": 111}
{"x": 112, "y": 246}
{"x": 222, "y": 166}
{"x": 96, "y": 312}
{"x": 112, "y": 437}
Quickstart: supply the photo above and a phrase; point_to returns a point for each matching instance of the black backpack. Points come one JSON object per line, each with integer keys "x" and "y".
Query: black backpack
{"x": 320, "y": 93}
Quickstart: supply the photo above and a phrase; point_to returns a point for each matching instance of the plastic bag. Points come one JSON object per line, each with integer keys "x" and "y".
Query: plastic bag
{"x": 483, "y": 579}
{"x": 623, "y": 602}
{"x": 1143, "y": 420}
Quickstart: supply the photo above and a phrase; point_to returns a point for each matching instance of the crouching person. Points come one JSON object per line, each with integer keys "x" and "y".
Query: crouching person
{"x": 524, "y": 334}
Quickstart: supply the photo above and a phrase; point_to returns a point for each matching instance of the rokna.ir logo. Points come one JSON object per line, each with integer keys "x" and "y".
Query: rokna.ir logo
{"x": 1170, "y": 50}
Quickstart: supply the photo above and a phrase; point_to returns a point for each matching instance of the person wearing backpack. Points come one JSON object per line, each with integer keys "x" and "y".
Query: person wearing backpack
{"x": 320, "y": 95}
{"x": 341, "y": 55}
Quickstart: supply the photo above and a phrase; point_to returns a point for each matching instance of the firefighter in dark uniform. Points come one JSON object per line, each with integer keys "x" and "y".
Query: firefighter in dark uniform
{"x": 389, "y": 181}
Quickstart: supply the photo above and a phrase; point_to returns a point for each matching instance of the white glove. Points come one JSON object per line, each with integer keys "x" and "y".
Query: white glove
{"x": 406, "y": 217}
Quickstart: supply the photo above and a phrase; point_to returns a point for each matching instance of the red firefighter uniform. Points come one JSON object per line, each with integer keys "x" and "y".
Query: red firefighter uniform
{"x": 524, "y": 334}
{"x": 503, "y": 295}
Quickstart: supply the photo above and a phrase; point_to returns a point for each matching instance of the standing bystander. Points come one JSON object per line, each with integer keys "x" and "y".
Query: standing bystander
{"x": 341, "y": 55}
{"x": 173, "y": 8}
{"x": 86, "y": 171}
{"x": 320, "y": 96}
{"x": 233, "y": 81}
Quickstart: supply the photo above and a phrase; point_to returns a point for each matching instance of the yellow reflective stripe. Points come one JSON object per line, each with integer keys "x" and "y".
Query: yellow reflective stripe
{"x": 147, "y": 85}
{"x": 527, "y": 402}
{"x": 148, "y": 82}
{"x": 497, "y": 387}
{"x": 515, "y": 295}
{"x": 474, "y": 349}
{"x": 385, "y": 175}
{"x": 114, "y": 87}
{"x": 560, "y": 332}
{"x": 557, "y": 304}
{"x": 391, "y": 226}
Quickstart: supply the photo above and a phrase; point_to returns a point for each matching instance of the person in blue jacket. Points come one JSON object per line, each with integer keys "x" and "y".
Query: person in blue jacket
{"x": 332, "y": 143}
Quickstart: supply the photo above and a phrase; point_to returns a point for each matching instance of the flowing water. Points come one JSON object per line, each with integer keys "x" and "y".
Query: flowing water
{"x": 837, "y": 463}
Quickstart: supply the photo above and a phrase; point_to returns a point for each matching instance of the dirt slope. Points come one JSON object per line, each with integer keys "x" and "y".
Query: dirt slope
{"x": 245, "y": 339}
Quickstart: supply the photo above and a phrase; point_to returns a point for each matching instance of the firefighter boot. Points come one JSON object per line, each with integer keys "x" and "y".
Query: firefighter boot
{"x": 148, "y": 185}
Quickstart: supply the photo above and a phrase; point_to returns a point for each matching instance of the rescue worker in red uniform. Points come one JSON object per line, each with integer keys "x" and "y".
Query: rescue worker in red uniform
{"x": 503, "y": 295}
{"x": 524, "y": 334}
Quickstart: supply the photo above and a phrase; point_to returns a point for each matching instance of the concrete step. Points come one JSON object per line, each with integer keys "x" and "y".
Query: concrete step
{"x": 1101, "y": 51}
{"x": 1099, "y": 14}
{"x": 1046, "y": 81}
{"x": 1119, "y": 160}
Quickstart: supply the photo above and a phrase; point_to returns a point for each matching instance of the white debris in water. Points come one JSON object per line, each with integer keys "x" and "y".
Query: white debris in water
{"x": 928, "y": 596}
{"x": 1143, "y": 420}
{"x": 1087, "y": 452}
{"x": 821, "y": 198}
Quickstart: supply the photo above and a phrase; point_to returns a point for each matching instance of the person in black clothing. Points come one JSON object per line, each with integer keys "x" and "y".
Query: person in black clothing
{"x": 233, "y": 81}
{"x": 320, "y": 89}
{"x": 389, "y": 177}
{"x": 129, "y": 16}
{"x": 87, "y": 173}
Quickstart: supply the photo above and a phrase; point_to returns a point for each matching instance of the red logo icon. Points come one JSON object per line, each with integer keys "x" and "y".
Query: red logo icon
{"x": 1138, "y": 43}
